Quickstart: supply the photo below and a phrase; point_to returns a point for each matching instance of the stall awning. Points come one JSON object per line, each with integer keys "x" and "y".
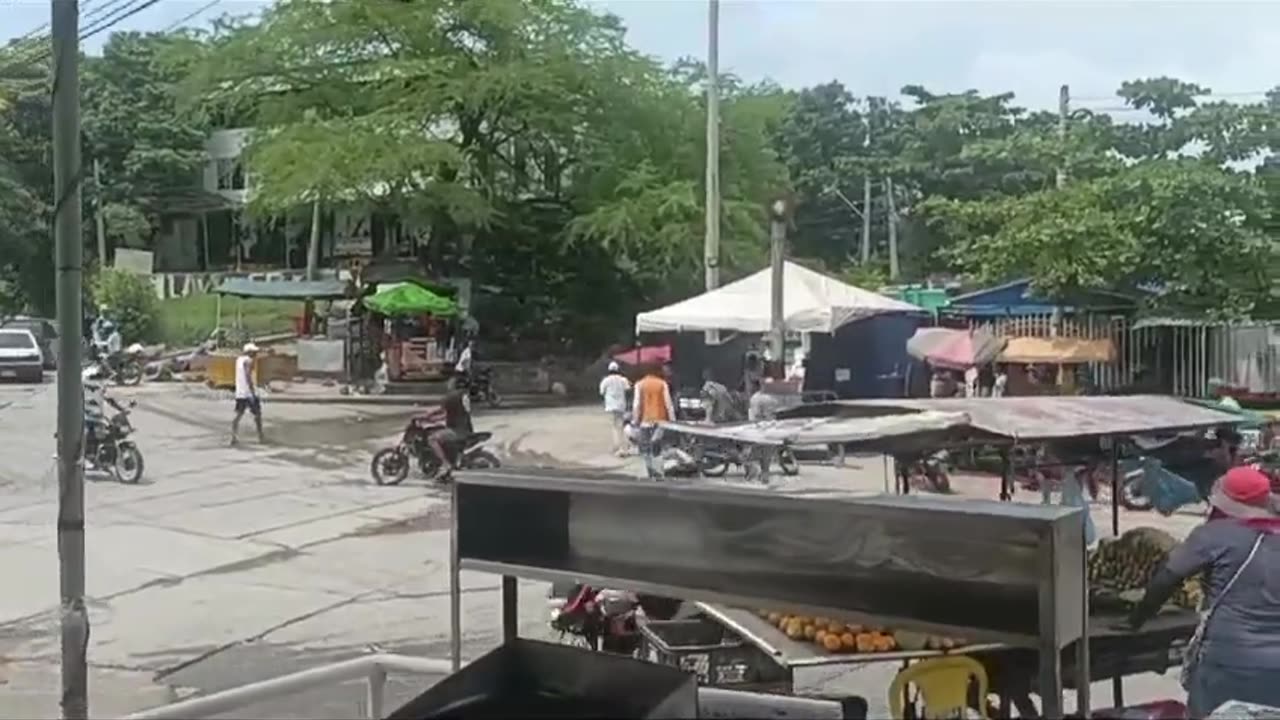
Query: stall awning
{"x": 283, "y": 289}
{"x": 1048, "y": 417}
{"x": 811, "y": 302}
{"x": 825, "y": 430}
{"x": 409, "y": 298}
{"x": 1061, "y": 351}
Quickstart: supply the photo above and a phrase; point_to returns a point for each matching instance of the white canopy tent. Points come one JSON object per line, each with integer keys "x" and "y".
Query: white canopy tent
{"x": 811, "y": 302}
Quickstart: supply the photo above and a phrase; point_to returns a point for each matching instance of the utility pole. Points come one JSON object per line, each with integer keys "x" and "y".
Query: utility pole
{"x": 893, "y": 228}
{"x": 313, "y": 246}
{"x": 711, "y": 248}
{"x": 101, "y": 222}
{"x": 866, "y": 200}
{"x": 1064, "y": 112}
{"x": 65, "y": 32}
{"x": 777, "y": 259}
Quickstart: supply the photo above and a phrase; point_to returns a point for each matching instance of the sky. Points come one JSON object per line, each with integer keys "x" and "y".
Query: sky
{"x": 1029, "y": 47}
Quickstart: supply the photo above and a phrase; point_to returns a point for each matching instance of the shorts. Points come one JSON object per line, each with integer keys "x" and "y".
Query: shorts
{"x": 252, "y": 404}
{"x": 446, "y": 436}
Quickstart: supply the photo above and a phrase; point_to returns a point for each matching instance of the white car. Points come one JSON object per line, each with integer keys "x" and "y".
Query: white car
{"x": 20, "y": 356}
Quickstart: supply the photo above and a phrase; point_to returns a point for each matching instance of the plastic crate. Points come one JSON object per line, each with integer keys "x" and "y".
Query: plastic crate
{"x": 716, "y": 656}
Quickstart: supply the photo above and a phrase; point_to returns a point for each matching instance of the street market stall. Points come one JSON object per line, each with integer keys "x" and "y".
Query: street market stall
{"x": 420, "y": 343}
{"x": 990, "y": 572}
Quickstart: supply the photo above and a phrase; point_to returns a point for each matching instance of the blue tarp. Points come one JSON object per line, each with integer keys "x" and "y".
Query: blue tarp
{"x": 284, "y": 289}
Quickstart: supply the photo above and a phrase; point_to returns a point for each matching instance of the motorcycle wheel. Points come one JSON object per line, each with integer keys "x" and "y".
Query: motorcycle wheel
{"x": 939, "y": 481}
{"x": 130, "y": 373}
{"x": 713, "y": 465}
{"x": 1131, "y": 496}
{"x": 787, "y": 461}
{"x": 390, "y": 466}
{"x": 128, "y": 466}
{"x": 481, "y": 459}
{"x": 493, "y": 398}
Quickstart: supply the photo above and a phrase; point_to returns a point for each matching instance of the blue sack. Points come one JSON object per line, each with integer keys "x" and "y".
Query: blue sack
{"x": 1167, "y": 491}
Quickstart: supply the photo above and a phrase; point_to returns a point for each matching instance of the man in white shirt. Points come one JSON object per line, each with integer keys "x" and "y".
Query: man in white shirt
{"x": 463, "y": 367}
{"x": 93, "y": 382}
{"x": 614, "y": 388}
{"x": 246, "y": 393}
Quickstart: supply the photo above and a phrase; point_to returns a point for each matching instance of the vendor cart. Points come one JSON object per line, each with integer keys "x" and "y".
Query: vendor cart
{"x": 997, "y": 573}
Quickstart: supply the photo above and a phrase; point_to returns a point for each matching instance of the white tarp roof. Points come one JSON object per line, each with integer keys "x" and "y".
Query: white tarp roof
{"x": 811, "y": 302}
{"x": 825, "y": 430}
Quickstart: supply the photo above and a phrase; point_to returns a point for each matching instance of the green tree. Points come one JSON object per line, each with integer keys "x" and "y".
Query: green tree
{"x": 26, "y": 184}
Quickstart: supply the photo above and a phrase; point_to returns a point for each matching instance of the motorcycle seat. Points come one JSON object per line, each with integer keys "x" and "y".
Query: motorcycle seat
{"x": 478, "y": 437}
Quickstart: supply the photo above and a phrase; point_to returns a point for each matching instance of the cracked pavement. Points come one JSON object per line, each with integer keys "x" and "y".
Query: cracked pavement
{"x": 231, "y": 565}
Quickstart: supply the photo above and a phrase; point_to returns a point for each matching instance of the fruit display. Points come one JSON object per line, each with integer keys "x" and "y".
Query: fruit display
{"x": 1121, "y": 569}
{"x": 834, "y": 636}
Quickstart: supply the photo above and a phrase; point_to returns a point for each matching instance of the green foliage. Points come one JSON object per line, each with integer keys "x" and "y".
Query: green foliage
{"x": 131, "y": 301}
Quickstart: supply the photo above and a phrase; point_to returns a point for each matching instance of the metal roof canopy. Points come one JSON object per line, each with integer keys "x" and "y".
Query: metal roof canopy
{"x": 1047, "y": 417}
{"x": 284, "y": 289}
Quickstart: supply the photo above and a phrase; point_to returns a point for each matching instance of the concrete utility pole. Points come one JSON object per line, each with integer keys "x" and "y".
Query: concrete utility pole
{"x": 65, "y": 33}
{"x": 711, "y": 248}
{"x": 101, "y": 221}
{"x": 1064, "y": 112}
{"x": 893, "y": 228}
{"x": 866, "y": 202}
{"x": 313, "y": 245}
{"x": 777, "y": 259}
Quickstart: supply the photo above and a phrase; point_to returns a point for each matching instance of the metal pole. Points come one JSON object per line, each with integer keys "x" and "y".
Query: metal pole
{"x": 866, "y": 200}
{"x": 101, "y": 221}
{"x": 455, "y": 586}
{"x": 67, "y": 171}
{"x": 777, "y": 257}
{"x": 510, "y": 609}
{"x": 711, "y": 249}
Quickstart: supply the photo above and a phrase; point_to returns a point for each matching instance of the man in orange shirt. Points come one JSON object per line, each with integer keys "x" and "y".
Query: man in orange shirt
{"x": 652, "y": 405}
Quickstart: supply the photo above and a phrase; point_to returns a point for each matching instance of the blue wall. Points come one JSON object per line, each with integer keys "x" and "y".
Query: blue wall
{"x": 874, "y": 350}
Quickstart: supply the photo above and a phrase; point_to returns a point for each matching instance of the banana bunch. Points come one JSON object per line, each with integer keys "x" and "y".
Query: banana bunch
{"x": 1126, "y": 564}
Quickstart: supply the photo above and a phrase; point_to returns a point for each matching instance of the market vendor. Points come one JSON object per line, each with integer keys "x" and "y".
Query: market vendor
{"x": 1239, "y": 651}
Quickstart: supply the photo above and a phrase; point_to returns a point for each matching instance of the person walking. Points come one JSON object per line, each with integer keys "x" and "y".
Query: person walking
{"x": 1235, "y": 652}
{"x": 247, "y": 393}
{"x": 652, "y": 405}
{"x": 614, "y": 388}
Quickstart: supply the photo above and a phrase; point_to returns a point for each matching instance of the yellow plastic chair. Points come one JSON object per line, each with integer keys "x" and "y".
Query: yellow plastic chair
{"x": 944, "y": 687}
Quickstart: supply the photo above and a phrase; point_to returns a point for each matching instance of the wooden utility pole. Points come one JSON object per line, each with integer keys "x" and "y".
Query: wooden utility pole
{"x": 866, "y": 200}
{"x": 101, "y": 220}
{"x": 777, "y": 260}
{"x": 892, "y": 219}
{"x": 65, "y": 33}
{"x": 711, "y": 248}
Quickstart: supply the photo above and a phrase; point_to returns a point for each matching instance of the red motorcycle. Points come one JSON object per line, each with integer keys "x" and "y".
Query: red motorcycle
{"x": 604, "y": 620}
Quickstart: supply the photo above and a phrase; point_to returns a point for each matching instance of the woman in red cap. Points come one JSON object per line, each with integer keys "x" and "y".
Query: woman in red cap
{"x": 1236, "y": 652}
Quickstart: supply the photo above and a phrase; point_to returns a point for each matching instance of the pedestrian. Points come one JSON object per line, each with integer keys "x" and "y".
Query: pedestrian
{"x": 614, "y": 388}
{"x": 1235, "y": 652}
{"x": 247, "y": 393}
{"x": 651, "y": 407}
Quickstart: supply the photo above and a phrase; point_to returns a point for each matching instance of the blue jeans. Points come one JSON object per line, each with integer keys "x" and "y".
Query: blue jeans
{"x": 650, "y": 442}
{"x": 1213, "y": 684}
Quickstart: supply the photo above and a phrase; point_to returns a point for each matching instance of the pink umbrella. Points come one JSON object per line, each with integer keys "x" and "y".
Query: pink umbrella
{"x": 955, "y": 349}
{"x": 648, "y": 354}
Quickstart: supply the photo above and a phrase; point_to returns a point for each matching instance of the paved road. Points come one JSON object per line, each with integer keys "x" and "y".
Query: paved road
{"x": 231, "y": 565}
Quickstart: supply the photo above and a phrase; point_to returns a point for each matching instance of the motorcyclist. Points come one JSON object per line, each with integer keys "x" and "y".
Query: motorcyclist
{"x": 93, "y": 381}
{"x": 108, "y": 343}
{"x": 455, "y": 413}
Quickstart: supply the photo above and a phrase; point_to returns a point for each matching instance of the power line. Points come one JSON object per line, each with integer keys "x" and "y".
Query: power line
{"x": 131, "y": 8}
{"x": 38, "y": 45}
{"x": 1198, "y": 96}
{"x": 191, "y": 16}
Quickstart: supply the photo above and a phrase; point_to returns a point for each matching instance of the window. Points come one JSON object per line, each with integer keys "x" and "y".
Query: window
{"x": 17, "y": 340}
{"x": 230, "y": 174}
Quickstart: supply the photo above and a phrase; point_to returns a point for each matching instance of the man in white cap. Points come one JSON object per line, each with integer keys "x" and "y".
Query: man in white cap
{"x": 614, "y": 388}
{"x": 246, "y": 393}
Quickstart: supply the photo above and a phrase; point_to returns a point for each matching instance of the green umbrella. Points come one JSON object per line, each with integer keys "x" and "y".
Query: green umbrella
{"x": 410, "y": 299}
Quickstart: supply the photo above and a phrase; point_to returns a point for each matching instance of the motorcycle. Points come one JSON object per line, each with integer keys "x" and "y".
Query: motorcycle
{"x": 479, "y": 386}
{"x": 124, "y": 368}
{"x": 390, "y": 466}
{"x": 604, "y": 620}
{"x": 715, "y": 461}
{"x": 115, "y": 452}
{"x": 930, "y": 473}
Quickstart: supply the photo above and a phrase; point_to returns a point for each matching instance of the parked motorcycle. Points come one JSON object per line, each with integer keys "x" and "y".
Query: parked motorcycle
{"x": 115, "y": 452}
{"x": 604, "y": 620}
{"x": 390, "y": 466}
{"x": 125, "y": 368}
{"x": 716, "y": 459}
{"x": 479, "y": 386}
{"x": 930, "y": 473}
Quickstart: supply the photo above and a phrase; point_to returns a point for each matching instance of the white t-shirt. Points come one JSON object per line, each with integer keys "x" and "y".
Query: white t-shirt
{"x": 95, "y": 400}
{"x": 244, "y": 380}
{"x": 464, "y": 361}
{"x": 613, "y": 388}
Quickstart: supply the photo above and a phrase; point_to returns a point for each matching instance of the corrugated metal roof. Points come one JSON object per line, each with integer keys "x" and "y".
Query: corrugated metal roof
{"x": 284, "y": 289}
{"x": 1056, "y": 417}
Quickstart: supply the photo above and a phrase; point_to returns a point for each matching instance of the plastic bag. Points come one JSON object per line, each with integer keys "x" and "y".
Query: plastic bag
{"x": 1073, "y": 495}
{"x": 1166, "y": 490}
